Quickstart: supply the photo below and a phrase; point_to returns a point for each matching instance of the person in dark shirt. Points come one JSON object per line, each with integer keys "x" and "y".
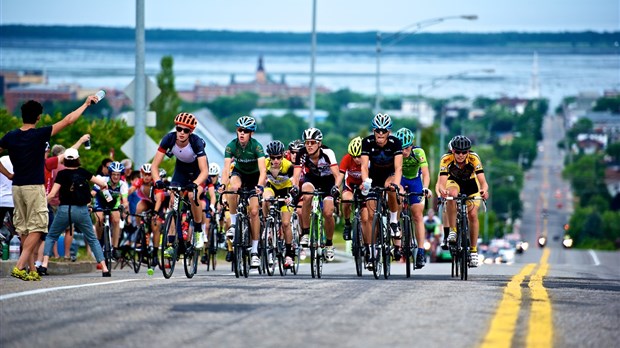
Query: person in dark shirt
{"x": 26, "y": 147}
{"x": 73, "y": 208}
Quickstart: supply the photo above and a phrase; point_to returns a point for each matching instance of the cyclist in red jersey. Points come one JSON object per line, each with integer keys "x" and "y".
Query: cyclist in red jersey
{"x": 351, "y": 169}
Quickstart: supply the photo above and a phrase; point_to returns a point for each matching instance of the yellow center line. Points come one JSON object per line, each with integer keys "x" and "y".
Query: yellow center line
{"x": 503, "y": 324}
{"x": 540, "y": 328}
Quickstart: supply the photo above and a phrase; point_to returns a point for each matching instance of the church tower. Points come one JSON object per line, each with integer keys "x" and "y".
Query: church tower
{"x": 261, "y": 76}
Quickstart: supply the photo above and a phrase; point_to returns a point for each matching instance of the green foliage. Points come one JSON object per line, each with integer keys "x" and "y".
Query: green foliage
{"x": 587, "y": 177}
{"x": 611, "y": 104}
{"x": 228, "y": 109}
{"x": 613, "y": 150}
{"x": 286, "y": 128}
{"x": 167, "y": 104}
{"x": 583, "y": 125}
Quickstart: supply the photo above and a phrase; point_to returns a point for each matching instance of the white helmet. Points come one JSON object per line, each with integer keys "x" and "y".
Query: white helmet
{"x": 214, "y": 169}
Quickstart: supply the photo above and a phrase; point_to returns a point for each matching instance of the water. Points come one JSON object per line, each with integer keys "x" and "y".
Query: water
{"x": 404, "y": 70}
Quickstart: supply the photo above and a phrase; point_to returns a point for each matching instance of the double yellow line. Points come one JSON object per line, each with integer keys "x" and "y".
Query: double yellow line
{"x": 540, "y": 326}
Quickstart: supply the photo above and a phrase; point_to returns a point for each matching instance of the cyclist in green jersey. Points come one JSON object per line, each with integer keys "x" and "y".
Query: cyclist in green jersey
{"x": 416, "y": 178}
{"x": 249, "y": 171}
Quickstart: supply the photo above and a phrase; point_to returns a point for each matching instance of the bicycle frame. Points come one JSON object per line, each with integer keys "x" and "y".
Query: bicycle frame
{"x": 317, "y": 234}
{"x": 242, "y": 238}
{"x": 410, "y": 242}
{"x": 381, "y": 245}
{"x": 358, "y": 251}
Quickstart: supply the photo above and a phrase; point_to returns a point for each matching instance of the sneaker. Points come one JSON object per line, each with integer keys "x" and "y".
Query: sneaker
{"x": 346, "y": 234}
{"x": 254, "y": 260}
{"x": 73, "y": 258}
{"x": 154, "y": 262}
{"x": 370, "y": 264}
{"x": 452, "y": 237}
{"x": 304, "y": 241}
{"x": 288, "y": 262}
{"x": 397, "y": 254}
{"x": 229, "y": 256}
{"x": 42, "y": 270}
{"x": 19, "y": 273}
{"x": 169, "y": 252}
{"x": 230, "y": 232}
{"x": 329, "y": 253}
{"x": 473, "y": 259}
{"x": 220, "y": 238}
{"x": 33, "y": 276}
{"x": 302, "y": 254}
{"x": 199, "y": 240}
{"x": 270, "y": 258}
{"x": 420, "y": 261}
{"x": 116, "y": 254}
{"x": 395, "y": 230}
{"x": 203, "y": 259}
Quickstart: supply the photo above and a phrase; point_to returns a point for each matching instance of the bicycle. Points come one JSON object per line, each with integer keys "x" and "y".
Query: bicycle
{"x": 213, "y": 236}
{"x": 381, "y": 246}
{"x": 296, "y": 231}
{"x": 242, "y": 239}
{"x": 272, "y": 241}
{"x": 179, "y": 234}
{"x": 409, "y": 242}
{"x": 107, "y": 239}
{"x": 317, "y": 235}
{"x": 460, "y": 250}
{"x": 142, "y": 250}
{"x": 358, "y": 251}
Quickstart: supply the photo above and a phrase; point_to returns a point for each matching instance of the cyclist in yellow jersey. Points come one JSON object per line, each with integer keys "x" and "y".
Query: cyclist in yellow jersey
{"x": 461, "y": 171}
{"x": 279, "y": 173}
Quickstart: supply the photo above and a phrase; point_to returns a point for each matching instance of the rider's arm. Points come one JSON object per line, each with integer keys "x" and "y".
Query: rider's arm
{"x": 212, "y": 198}
{"x": 441, "y": 185}
{"x": 426, "y": 178}
{"x": 204, "y": 170}
{"x": 159, "y": 157}
{"x": 54, "y": 191}
{"x": 262, "y": 169}
{"x": 398, "y": 169}
{"x": 226, "y": 172}
{"x": 483, "y": 186}
{"x": 74, "y": 115}
{"x": 365, "y": 161}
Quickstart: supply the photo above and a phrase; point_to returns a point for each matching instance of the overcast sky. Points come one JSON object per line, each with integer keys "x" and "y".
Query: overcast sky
{"x": 332, "y": 15}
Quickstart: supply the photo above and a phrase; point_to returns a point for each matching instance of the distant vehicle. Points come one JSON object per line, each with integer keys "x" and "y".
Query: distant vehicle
{"x": 567, "y": 242}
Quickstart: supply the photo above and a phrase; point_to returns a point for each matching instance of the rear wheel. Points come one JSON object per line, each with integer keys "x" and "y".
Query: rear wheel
{"x": 296, "y": 246}
{"x": 192, "y": 254}
{"x": 170, "y": 240}
{"x": 313, "y": 246}
{"x": 407, "y": 246}
{"x": 376, "y": 244}
{"x": 107, "y": 247}
{"x": 238, "y": 249}
{"x": 358, "y": 245}
{"x": 385, "y": 249}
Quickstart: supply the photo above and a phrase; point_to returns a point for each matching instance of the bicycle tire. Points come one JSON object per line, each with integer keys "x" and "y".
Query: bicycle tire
{"x": 357, "y": 249}
{"x": 168, "y": 264}
{"x": 464, "y": 232}
{"x": 375, "y": 250}
{"x": 245, "y": 240}
{"x": 238, "y": 249}
{"x": 313, "y": 246}
{"x": 386, "y": 251}
{"x": 320, "y": 247}
{"x": 296, "y": 245}
{"x": 212, "y": 246}
{"x": 136, "y": 258}
{"x": 191, "y": 254}
{"x": 407, "y": 245}
{"x": 107, "y": 247}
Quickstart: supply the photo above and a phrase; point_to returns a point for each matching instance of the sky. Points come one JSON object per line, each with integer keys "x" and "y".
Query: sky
{"x": 332, "y": 15}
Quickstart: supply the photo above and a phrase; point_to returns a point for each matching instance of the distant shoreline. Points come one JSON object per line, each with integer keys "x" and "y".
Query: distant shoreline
{"x": 583, "y": 39}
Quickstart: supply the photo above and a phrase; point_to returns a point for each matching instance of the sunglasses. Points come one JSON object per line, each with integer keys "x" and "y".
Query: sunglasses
{"x": 461, "y": 152}
{"x": 244, "y": 130}
{"x": 311, "y": 142}
{"x": 184, "y": 130}
{"x": 381, "y": 130}
{"x": 275, "y": 157}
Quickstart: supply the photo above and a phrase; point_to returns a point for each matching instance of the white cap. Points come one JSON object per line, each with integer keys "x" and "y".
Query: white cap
{"x": 71, "y": 154}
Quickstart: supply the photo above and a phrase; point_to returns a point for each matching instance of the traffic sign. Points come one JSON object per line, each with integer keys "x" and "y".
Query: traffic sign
{"x": 130, "y": 118}
{"x": 151, "y": 148}
{"x": 152, "y": 90}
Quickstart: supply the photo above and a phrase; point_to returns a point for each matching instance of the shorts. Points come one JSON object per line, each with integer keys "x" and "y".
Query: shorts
{"x": 474, "y": 203}
{"x": 31, "y": 213}
{"x": 282, "y": 193}
{"x": 248, "y": 181}
{"x": 413, "y": 185}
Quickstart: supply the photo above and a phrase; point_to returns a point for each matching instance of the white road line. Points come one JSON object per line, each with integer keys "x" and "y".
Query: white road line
{"x": 594, "y": 257}
{"x": 41, "y": 291}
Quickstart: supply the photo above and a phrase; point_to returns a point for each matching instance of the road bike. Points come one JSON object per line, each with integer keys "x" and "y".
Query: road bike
{"x": 178, "y": 234}
{"x": 461, "y": 249}
{"x": 381, "y": 245}
{"x": 358, "y": 251}
{"x": 242, "y": 240}
{"x": 409, "y": 240}
{"x": 142, "y": 242}
{"x": 317, "y": 234}
{"x": 214, "y": 235}
{"x": 272, "y": 242}
{"x": 296, "y": 231}
{"x": 108, "y": 253}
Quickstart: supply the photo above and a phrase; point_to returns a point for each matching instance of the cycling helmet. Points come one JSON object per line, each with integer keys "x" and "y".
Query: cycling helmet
{"x": 116, "y": 167}
{"x": 312, "y": 134}
{"x": 382, "y": 121}
{"x": 450, "y": 144}
{"x": 186, "y": 119}
{"x": 461, "y": 143}
{"x": 355, "y": 147}
{"x": 406, "y": 137}
{"x": 275, "y": 148}
{"x": 162, "y": 173}
{"x": 295, "y": 145}
{"x": 246, "y": 122}
{"x": 146, "y": 168}
{"x": 214, "y": 169}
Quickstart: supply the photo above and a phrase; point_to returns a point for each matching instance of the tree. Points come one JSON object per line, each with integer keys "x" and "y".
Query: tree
{"x": 286, "y": 128}
{"x": 167, "y": 103}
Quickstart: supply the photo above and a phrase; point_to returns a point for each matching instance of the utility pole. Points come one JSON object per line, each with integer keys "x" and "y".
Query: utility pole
{"x": 312, "y": 63}
{"x": 140, "y": 92}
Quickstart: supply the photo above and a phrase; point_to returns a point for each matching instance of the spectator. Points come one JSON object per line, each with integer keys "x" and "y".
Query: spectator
{"x": 6, "y": 196}
{"x": 103, "y": 168}
{"x": 26, "y": 147}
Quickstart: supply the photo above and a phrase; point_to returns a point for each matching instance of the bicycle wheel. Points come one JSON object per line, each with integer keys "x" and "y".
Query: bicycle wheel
{"x": 407, "y": 245}
{"x": 212, "y": 250}
{"x": 245, "y": 240}
{"x": 386, "y": 251}
{"x": 137, "y": 254}
{"x": 465, "y": 254}
{"x": 107, "y": 247}
{"x": 320, "y": 247}
{"x": 296, "y": 246}
{"x": 238, "y": 249}
{"x": 357, "y": 248}
{"x": 191, "y": 255}
{"x": 313, "y": 245}
{"x": 169, "y": 240}
{"x": 376, "y": 244}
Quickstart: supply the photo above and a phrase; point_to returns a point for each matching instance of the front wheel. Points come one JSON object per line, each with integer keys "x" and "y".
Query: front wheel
{"x": 407, "y": 246}
{"x": 358, "y": 246}
{"x": 107, "y": 247}
{"x": 191, "y": 256}
{"x": 376, "y": 244}
{"x": 170, "y": 242}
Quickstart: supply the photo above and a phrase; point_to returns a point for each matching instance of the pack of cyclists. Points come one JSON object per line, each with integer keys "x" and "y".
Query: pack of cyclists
{"x": 292, "y": 174}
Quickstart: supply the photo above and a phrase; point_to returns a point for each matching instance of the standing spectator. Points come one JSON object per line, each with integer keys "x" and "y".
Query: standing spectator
{"x": 128, "y": 172}
{"x": 103, "y": 168}
{"x": 6, "y": 196}
{"x": 26, "y": 147}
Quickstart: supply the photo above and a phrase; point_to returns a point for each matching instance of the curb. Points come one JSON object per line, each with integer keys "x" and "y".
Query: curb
{"x": 55, "y": 268}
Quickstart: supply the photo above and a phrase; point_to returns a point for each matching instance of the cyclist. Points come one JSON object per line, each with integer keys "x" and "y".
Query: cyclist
{"x": 382, "y": 158}
{"x": 208, "y": 203}
{"x": 351, "y": 169}
{"x": 248, "y": 173}
{"x": 318, "y": 163}
{"x": 279, "y": 173}
{"x": 191, "y": 167}
{"x": 416, "y": 178}
{"x": 432, "y": 224}
{"x": 461, "y": 172}
{"x": 118, "y": 189}
{"x": 142, "y": 187}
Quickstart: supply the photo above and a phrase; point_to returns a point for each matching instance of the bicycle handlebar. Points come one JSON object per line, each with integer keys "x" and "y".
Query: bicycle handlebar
{"x": 179, "y": 189}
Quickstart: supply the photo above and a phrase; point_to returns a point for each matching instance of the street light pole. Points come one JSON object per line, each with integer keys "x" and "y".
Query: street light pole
{"x": 400, "y": 35}
{"x": 312, "y": 62}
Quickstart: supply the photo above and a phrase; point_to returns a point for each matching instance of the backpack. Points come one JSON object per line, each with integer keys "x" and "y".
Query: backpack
{"x": 79, "y": 190}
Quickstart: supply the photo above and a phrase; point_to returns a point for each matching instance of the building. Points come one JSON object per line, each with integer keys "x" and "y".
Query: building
{"x": 9, "y": 79}
{"x": 16, "y": 96}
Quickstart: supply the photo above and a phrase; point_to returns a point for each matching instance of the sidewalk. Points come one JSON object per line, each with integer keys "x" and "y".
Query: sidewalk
{"x": 56, "y": 268}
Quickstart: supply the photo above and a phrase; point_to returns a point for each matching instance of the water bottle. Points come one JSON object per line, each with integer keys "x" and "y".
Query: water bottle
{"x": 87, "y": 144}
{"x": 5, "y": 251}
{"x": 100, "y": 95}
{"x": 366, "y": 186}
{"x": 14, "y": 248}
{"x": 107, "y": 195}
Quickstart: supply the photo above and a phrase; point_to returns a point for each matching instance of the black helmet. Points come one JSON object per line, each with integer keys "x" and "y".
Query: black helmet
{"x": 275, "y": 147}
{"x": 461, "y": 143}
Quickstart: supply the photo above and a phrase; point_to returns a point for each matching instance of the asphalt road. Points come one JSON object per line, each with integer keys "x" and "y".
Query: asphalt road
{"x": 579, "y": 294}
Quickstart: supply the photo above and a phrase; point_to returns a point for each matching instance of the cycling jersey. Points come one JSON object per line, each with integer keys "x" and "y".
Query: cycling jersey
{"x": 282, "y": 179}
{"x": 412, "y": 165}
{"x": 245, "y": 157}
{"x": 320, "y": 171}
{"x": 352, "y": 171}
{"x": 118, "y": 192}
{"x": 464, "y": 176}
{"x": 186, "y": 168}
{"x": 137, "y": 184}
{"x": 381, "y": 159}
{"x": 432, "y": 225}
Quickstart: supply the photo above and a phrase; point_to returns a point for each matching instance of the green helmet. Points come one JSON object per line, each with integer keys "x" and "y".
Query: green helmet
{"x": 406, "y": 137}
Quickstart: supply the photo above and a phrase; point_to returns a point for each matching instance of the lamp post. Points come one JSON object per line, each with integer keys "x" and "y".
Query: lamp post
{"x": 312, "y": 62}
{"x": 396, "y": 37}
